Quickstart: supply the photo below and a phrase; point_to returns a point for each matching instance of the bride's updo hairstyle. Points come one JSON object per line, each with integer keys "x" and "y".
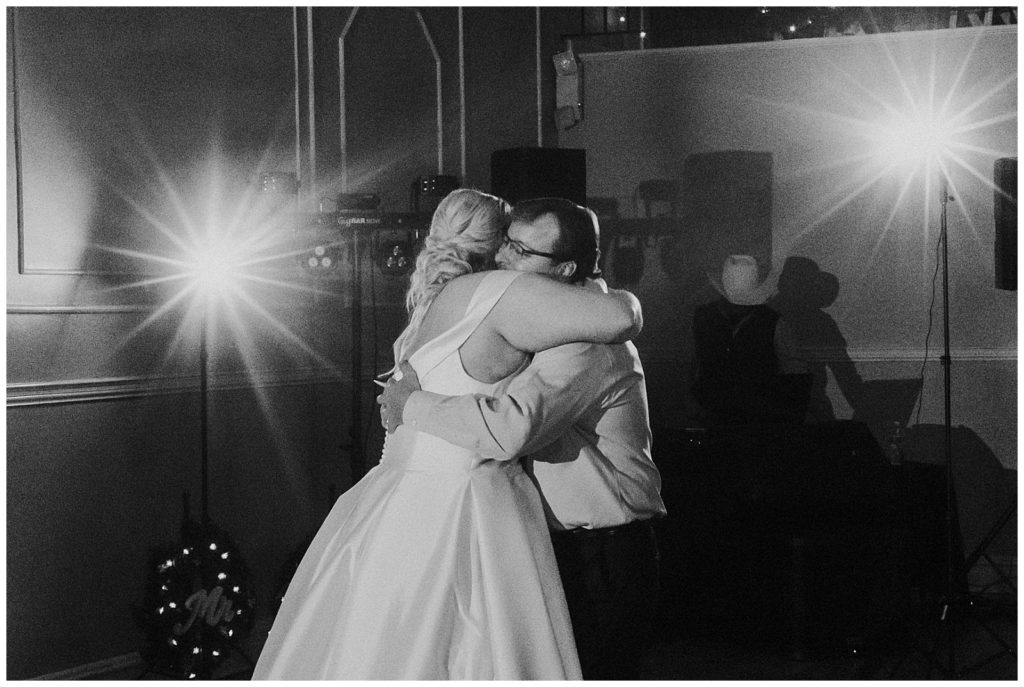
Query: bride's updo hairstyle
{"x": 465, "y": 232}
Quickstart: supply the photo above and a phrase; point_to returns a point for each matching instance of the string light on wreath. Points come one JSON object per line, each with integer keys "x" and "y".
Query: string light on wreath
{"x": 199, "y": 601}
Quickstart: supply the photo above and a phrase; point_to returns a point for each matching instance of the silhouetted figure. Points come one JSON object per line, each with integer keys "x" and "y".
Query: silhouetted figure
{"x": 803, "y": 291}
{"x": 747, "y": 369}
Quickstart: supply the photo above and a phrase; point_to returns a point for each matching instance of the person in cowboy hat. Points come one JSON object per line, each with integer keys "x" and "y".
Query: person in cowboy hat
{"x": 741, "y": 349}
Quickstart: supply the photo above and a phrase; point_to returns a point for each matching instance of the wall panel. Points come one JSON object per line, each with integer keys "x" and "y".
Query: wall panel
{"x": 86, "y": 504}
{"x": 853, "y": 232}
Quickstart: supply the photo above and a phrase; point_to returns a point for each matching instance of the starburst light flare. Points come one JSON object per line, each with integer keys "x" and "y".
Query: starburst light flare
{"x": 921, "y": 140}
{"x": 903, "y": 119}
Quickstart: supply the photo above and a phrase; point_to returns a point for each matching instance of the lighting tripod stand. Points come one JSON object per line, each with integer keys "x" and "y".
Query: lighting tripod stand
{"x": 199, "y": 600}
{"x": 955, "y": 605}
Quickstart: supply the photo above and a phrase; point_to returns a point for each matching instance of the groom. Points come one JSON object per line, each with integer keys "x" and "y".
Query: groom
{"x": 580, "y": 412}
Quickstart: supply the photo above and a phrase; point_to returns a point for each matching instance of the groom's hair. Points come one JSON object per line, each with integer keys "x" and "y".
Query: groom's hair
{"x": 578, "y": 232}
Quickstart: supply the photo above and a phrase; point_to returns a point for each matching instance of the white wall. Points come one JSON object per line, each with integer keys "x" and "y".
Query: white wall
{"x": 816, "y": 106}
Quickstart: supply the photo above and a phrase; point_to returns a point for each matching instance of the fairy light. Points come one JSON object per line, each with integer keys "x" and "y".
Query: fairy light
{"x": 183, "y": 608}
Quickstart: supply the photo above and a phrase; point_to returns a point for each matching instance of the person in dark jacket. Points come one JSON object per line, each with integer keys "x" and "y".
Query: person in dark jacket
{"x": 744, "y": 357}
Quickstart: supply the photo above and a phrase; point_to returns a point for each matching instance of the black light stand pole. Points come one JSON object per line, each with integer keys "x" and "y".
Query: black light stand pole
{"x": 203, "y": 419}
{"x": 204, "y": 670}
{"x": 946, "y": 627}
{"x": 950, "y": 608}
{"x": 946, "y": 617}
{"x": 957, "y": 566}
{"x": 356, "y": 429}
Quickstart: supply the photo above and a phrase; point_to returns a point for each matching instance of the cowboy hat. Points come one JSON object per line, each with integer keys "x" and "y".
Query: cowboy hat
{"x": 739, "y": 282}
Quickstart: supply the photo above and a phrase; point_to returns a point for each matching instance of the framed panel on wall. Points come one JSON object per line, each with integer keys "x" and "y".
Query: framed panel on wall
{"x": 135, "y": 127}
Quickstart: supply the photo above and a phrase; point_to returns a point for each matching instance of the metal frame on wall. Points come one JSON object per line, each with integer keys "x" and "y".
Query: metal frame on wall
{"x": 342, "y": 122}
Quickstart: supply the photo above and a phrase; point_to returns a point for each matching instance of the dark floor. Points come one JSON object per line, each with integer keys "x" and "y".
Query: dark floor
{"x": 984, "y": 638}
{"x": 985, "y": 642}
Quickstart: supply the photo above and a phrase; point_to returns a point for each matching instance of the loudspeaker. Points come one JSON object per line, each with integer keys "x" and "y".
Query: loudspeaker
{"x": 522, "y": 173}
{"x": 727, "y": 202}
{"x": 724, "y": 208}
{"x": 1005, "y": 182}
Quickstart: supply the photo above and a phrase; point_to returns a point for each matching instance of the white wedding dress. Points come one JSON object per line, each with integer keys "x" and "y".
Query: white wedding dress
{"x": 437, "y": 565}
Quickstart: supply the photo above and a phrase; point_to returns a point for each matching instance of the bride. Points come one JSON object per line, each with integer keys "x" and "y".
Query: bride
{"x": 437, "y": 565}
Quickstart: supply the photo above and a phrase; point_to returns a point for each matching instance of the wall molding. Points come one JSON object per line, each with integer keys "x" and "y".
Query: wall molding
{"x": 21, "y": 309}
{"x": 98, "y": 389}
{"x": 659, "y": 356}
{"x": 897, "y": 355}
{"x": 143, "y": 308}
{"x": 60, "y": 392}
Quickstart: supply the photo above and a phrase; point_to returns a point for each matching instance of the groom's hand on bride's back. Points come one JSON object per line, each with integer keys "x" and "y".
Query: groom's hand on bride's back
{"x": 396, "y": 393}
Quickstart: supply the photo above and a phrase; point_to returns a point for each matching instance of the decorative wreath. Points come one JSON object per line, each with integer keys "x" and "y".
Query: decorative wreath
{"x": 199, "y": 602}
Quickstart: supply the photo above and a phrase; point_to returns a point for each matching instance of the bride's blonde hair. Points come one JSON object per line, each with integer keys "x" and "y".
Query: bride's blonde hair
{"x": 465, "y": 233}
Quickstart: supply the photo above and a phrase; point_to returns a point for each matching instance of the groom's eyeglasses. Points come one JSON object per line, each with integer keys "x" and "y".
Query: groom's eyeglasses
{"x": 522, "y": 250}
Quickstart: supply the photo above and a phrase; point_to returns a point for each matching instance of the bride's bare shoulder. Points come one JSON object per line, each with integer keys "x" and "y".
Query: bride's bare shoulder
{"x": 450, "y": 303}
{"x": 462, "y": 287}
{"x": 470, "y": 281}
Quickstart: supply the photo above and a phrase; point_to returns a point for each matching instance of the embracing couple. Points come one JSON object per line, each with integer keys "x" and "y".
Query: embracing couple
{"x": 505, "y": 533}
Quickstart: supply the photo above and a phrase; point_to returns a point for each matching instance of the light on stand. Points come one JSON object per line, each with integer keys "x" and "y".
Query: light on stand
{"x": 321, "y": 257}
{"x": 428, "y": 191}
{"x": 193, "y": 580}
{"x": 215, "y": 271}
{"x": 915, "y": 144}
{"x": 925, "y": 142}
{"x": 284, "y": 183}
{"x": 395, "y": 253}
